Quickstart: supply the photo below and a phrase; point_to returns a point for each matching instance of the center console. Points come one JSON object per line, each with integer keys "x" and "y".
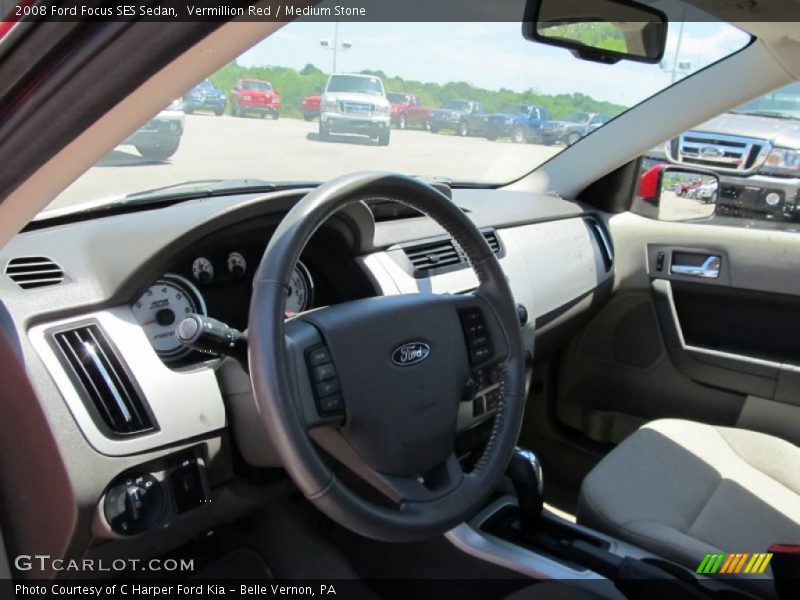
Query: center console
{"x": 517, "y": 532}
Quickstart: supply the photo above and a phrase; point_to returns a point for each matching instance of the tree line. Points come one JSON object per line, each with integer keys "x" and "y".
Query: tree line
{"x": 294, "y": 85}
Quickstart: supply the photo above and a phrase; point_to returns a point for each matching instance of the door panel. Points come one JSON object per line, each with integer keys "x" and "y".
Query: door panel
{"x": 720, "y": 345}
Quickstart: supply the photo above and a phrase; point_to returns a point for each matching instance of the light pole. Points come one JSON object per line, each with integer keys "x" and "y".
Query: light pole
{"x": 326, "y": 45}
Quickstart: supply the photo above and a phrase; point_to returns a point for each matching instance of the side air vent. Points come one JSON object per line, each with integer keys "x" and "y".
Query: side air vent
{"x": 34, "y": 271}
{"x": 444, "y": 254}
{"x": 603, "y": 241}
{"x": 108, "y": 390}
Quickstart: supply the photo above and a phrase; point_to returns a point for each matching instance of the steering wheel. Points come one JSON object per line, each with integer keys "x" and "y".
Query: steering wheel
{"x": 376, "y": 382}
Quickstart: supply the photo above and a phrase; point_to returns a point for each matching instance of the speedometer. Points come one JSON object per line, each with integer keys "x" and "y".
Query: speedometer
{"x": 159, "y": 309}
{"x": 300, "y": 293}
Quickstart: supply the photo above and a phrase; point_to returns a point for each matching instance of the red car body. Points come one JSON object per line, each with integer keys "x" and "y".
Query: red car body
{"x": 407, "y": 111}
{"x": 255, "y": 96}
{"x": 310, "y": 107}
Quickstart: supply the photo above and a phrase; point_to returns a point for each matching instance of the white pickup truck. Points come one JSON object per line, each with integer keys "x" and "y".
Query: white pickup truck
{"x": 755, "y": 150}
{"x": 355, "y": 104}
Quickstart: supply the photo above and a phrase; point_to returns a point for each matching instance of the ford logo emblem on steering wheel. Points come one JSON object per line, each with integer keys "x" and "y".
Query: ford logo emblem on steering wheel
{"x": 410, "y": 354}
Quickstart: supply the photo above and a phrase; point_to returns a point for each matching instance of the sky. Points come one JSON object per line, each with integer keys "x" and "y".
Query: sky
{"x": 489, "y": 55}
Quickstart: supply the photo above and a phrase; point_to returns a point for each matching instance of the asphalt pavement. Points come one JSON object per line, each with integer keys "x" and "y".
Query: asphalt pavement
{"x": 229, "y": 147}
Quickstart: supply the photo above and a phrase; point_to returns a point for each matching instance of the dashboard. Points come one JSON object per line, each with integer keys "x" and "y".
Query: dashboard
{"x": 120, "y": 292}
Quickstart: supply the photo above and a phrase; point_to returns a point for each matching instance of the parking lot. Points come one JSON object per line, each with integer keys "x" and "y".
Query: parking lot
{"x": 227, "y": 147}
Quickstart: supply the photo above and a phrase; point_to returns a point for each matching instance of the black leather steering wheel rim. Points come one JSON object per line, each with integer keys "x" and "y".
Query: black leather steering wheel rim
{"x": 272, "y": 366}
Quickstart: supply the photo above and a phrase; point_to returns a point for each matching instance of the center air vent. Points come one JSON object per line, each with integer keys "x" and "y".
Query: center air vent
{"x": 34, "y": 271}
{"x": 108, "y": 390}
{"x": 432, "y": 255}
{"x": 443, "y": 254}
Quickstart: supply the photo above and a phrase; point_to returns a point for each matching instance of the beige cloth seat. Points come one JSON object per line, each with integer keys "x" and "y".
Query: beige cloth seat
{"x": 682, "y": 489}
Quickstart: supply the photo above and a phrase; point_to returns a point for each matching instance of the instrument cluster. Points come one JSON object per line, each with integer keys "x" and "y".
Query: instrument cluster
{"x": 215, "y": 283}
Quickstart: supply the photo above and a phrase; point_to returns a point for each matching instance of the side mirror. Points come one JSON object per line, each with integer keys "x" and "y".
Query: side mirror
{"x": 605, "y": 31}
{"x": 675, "y": 193}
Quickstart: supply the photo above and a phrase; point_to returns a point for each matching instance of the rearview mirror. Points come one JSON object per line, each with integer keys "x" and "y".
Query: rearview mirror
{"x": 672, "y": 193}
{"x": 605, "y": 31}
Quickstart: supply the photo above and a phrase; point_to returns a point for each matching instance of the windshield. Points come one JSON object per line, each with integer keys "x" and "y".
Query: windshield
{"x": 396, "y": 98}
{"x": 782, "y": 103}
{"x": 277, "y": 138}
{"x": 351, "y": 83}
{"x": 256, "y": 85}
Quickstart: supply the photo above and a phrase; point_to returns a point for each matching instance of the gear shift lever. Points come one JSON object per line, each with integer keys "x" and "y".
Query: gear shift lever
{"x": 525, "y": 472}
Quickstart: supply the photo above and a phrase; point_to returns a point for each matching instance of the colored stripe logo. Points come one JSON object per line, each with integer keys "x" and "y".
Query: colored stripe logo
{"x": 737, "y": 562}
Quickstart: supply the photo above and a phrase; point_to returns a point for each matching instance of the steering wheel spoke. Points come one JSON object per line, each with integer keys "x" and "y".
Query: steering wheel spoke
{"x": 425, "y": 487}
{"x": 431, "y": 485}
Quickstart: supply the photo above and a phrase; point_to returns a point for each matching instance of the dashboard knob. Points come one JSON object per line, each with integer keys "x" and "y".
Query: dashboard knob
{"x": 134, "y": 503}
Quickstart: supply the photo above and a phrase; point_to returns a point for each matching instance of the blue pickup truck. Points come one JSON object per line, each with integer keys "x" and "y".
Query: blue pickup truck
{"x": 520, "y": 123}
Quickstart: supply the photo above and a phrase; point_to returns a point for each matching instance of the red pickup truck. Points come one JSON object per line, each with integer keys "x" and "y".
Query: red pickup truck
{"x": 407, "y": 110}
{"x": 310, "y": 107}
{"x": 255, "y": 96}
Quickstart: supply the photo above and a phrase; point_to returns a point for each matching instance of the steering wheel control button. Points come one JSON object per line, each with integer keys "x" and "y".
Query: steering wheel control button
{"x": 322, "y": 372}
{"x": 317, "y": 356}
{"x": 331, "y": 404}
{"x": 134, "y": 503}
{"x": 476, "y": 334}
{"x": 324, "y": 381}
{"x": 327, "y": 387}
{"x": 479, "y": 355}
{"x": 476, "y": 341}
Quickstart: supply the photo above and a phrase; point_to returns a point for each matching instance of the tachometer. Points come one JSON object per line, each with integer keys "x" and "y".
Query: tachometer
{"x": 160, "y": 308}
{"x": 301, "y": 290}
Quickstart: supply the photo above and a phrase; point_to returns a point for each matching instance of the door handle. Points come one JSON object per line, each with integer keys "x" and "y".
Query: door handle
{"x": 709, "y": 268}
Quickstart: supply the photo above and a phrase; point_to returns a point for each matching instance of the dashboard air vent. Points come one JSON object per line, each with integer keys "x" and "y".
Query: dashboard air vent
{"x": 491, "y": 239}
{"x": 432, "y": 255}
{"x": 34, "y": 271}
{"x": 444, "y": 254}
{"x": 109, "y": 389}
{"x": 603, "y": 241}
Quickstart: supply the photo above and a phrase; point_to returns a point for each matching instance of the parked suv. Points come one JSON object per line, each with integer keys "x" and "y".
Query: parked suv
{"x": 518, "y": 122}
{"x": 755, "y": 150}
{"x": 355, "y": 104}
{"x": 159, "y": 138}
{"x": 572, "y": 128}
{"x": 465, "y": 117}
{"x": 255, "y": 96}
{"x": 205, "y": 97}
